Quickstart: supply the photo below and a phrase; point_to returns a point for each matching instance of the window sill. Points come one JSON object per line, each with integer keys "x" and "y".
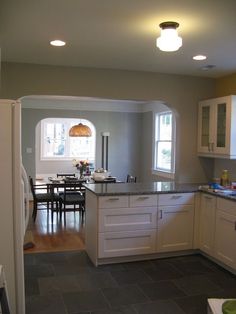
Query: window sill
{"x": 163, "y": 174}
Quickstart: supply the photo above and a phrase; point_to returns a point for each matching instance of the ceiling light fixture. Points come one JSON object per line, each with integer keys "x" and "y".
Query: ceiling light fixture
{"x": 169, "y": 39}
{"x": 80, "y": 130}
{"x": 57, "y": 43}
{"x": 199, "y": 57}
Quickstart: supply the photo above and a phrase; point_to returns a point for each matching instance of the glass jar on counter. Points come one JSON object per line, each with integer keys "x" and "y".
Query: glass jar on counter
{"x": 224, "y": 180}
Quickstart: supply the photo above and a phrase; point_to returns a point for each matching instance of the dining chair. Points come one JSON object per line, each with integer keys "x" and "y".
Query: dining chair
{"x": 72, "y": 199}
{"x": 42, "y": 195}
{"x": 131, "y": 179}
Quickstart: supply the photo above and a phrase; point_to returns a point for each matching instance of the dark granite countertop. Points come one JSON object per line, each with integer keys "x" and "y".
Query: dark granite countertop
{"x": 108, "y": 189}
{"x": 219, "y": 193}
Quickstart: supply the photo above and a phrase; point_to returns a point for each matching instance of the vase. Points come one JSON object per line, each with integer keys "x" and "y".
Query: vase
{"x": 81, "y": 176}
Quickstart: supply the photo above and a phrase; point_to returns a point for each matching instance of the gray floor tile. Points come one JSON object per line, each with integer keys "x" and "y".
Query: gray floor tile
{"x": 44, "y": 270}
{"x": 45, "y": 305}
{"x": 84, "y": 301}
{"x": 193, "y": 304}
{"x": 222, "y": 279}
{"x": 79, "y": 258}
{"x": 31, "y": 286}
{"x": 162, "y": 271}
{"x": 73, "y": 269}
{"x": 130, "y": 277}
{"x": 29, "y": 259}
{"x": 108, "y": 268}
{"x": 125, "y": 295}
{"x": 93, "y": 281}
{"x": 139, "y": 265}
{"x": 158, "y": 307}
{"x": 51, "y": 258}
{"x": 58, "y": 284}
{"x": 189, "y": 267}
{"x": 192, "y": 285}
{"x": 161, "y": 290}
{"x": 120, "y": 310}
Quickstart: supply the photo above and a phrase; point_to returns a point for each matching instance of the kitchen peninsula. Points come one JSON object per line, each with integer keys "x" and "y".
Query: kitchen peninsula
{"x": 127, "y": 221}
{"x": 137, "y": 221}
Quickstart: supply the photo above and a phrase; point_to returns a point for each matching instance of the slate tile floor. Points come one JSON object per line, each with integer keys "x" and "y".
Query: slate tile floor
{"x": 68, "y": 283}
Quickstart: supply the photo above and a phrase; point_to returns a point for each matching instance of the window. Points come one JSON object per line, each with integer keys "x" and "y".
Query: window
{"x": 57, "y": 145}
{"x": 164, "y": 145}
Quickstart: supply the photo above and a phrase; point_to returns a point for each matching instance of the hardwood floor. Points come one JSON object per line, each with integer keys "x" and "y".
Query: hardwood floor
{"x": 67, "y": 235}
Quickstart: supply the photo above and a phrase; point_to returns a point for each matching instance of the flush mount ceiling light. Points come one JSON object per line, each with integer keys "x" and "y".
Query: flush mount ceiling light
{"x": 80, "y": 130}
{"x": 199, "y": 57}
{"x": 169, "y": 39}
{"x": 57, "y": 43}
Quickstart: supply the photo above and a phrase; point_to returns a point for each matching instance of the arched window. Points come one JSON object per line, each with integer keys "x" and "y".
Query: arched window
{"x": 56, "y": 144}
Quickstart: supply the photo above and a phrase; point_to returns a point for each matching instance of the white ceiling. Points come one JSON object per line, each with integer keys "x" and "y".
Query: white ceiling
{"x": 120, "y": 34}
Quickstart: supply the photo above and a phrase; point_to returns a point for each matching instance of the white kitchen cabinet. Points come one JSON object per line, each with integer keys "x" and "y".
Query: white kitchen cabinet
{"x": 175, "y": 222}
{"x": 207, "y": 223}
{"x": 217, "y": 127}
{"x": 225, "y": 235}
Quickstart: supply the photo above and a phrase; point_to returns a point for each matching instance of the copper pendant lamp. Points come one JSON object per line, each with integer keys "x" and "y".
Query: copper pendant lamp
{"x": 80, "y": 130}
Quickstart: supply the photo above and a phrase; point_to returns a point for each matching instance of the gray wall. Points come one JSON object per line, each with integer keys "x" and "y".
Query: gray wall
{"x": 124, "y": 145}
{"x": 182, "y": 93}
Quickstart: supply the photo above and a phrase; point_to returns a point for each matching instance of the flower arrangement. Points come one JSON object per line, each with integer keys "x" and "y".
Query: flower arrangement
{"x": 81, "y": 165}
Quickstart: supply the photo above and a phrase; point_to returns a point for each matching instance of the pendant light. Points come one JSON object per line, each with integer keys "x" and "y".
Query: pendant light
{"x": 169, "y": 39}
{"x": 80, "y": 130}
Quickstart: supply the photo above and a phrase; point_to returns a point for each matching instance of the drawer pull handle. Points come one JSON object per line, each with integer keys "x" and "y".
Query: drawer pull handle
{"x": 160, "y": 214}
{"x": 142, "y": 198}
{"x": 114, "y": 199}
{"x": 235, "y": 225}
{"x": 175, "y": 197}
{"x": 208, "y": 197}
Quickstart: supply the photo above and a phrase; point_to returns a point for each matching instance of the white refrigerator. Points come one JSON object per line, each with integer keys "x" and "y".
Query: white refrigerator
{"x": 14, "y": 211}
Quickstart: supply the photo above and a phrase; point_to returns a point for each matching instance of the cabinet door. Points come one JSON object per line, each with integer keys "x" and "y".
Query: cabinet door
{"x": 222, "y": 126}
{"x": 207, "y": 224}
{"x": 175, "y": 228}
{"x": 205, "y": 124}
{"x": 225, "y": 238}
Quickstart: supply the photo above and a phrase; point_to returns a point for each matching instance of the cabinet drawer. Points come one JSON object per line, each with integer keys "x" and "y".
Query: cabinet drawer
{"x": 176, "y": 198}
{"x": 112, "y": 244}
{"x": 127, "y": 219}
{"x": 143, "y": 200}
{"x": 226, "y": 205}
{"x": 113, "y": 202}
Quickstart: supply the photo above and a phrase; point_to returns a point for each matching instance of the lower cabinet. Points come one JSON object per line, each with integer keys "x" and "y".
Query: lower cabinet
{"x": 225, "y": 236}
{"x": 207, "y": 223}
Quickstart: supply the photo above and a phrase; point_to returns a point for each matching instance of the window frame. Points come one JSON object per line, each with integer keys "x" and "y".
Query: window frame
{"x": 64, "y": 158}
{"x": 170, "y": 174}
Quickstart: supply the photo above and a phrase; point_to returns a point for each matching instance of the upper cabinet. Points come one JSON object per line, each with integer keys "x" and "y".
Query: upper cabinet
{"x": 217, "y": 127}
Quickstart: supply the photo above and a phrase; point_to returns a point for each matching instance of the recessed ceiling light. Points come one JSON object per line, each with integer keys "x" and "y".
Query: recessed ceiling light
{"x": 199, "y": 57}
{"x": 57, "y": 43}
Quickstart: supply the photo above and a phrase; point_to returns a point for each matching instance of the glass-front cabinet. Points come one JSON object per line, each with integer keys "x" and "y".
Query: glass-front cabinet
{"x": 217, "y": 127}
